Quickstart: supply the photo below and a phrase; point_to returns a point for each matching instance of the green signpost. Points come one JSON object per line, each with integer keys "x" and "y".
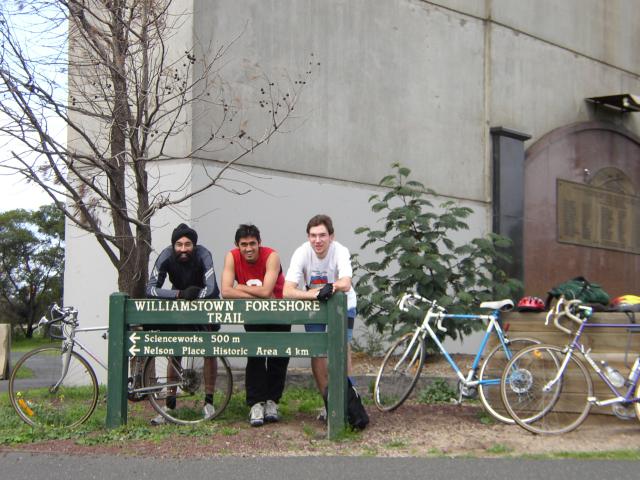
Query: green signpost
{"x": 125, "y": 342}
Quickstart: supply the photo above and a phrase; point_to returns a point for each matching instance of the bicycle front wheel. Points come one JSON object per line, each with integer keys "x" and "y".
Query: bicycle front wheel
{"x": 491, "y": 373}
{"x": 534, "y": 401}
{"x": 399, "y": 372}
{"x": 187, "y": 381}
{"x": 42, "y": 397}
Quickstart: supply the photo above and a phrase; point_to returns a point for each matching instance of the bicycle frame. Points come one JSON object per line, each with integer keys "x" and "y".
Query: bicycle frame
{"x": 437, "y": 314}
{"x": 492, "y": 326}
{"x": 70, "y": 328}
{"x": 85, "y": 349}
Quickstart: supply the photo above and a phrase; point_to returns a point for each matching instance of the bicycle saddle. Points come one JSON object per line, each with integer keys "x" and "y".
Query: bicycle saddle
{"x": 504, "y": 305}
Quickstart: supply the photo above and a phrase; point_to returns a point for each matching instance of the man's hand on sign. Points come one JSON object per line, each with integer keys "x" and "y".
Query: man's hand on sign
{"x": 190, "y": 293}
{"x": 325, "y": 292}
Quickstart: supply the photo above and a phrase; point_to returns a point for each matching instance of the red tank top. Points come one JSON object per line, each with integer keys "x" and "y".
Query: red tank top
{"x": 245, "y": 271}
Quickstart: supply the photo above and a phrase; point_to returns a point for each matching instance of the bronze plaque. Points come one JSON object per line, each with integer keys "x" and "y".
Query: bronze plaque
{"x": 599, "y": 218}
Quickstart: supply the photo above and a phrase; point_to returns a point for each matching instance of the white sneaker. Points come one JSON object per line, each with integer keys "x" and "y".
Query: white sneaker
{"x": 160, "y": 420}
{"x": 322, "y": 416}
{"x": 271, "y": 411}
{"x": 256, "y": 416}
{"x": 208, "y": 411}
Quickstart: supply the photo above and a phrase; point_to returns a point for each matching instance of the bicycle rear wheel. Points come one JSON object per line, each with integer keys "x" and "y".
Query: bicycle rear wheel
{"x": 491, "y": 373}
{"x": 560, "y": 407}
{"x": 38, "y": 403}
{"x": 399, "y": 372}
{"x": 184, "y": 378}
{"x": 134, "y": 383}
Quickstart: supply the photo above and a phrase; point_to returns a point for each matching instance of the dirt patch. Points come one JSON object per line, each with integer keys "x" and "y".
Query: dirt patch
{"x": 412, "y": 430}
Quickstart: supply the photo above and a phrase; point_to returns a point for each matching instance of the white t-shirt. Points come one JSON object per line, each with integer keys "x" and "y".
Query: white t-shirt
{"x": 307, "y": 269}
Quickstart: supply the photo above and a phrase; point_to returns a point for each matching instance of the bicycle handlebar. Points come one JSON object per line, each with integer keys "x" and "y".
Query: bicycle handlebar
{"x": 580, "y": 307}
{"x": 409, "y": 298}
{"x": 59, "y": 314}
{"x": 567, "y": 307}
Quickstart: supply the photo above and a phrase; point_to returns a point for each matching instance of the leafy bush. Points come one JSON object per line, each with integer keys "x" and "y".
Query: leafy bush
{"x": 438, "y": 391}
{"x": 416, "y": 253}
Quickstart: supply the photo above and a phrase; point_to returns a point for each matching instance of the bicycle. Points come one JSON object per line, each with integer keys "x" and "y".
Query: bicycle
{"x": 404, "y": 361}
{"x": 57, "y": 387}
{"x": 547, "y": 389}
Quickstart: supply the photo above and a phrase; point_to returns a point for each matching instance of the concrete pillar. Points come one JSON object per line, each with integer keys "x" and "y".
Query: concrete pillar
{"x": 508, "y": 193}
{"x": 5, "y": 349}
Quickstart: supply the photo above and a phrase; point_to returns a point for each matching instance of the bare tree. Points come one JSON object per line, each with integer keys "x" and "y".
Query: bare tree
{"x": 127, "y": 90}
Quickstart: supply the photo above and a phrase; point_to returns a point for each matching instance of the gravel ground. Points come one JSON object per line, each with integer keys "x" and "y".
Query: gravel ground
{"x": 412, "y": 430}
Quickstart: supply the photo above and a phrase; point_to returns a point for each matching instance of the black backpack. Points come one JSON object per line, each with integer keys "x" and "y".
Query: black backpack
{"x": 356, "y": 414}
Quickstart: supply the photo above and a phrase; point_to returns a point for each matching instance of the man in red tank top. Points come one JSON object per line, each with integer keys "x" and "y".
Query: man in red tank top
{"x": 254, "y": 271}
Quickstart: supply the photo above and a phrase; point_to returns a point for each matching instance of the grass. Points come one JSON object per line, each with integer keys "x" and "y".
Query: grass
{"x": 349, "y": 435}
{"x": 369, "y": 451}
{"x": 299, "y": 400}
{"x": 233, "y": 422}
{"x": 309, "y": 431}
{"x": 23, "y": 344}
{"x": 396, "y": 443}
{"x": 485, "y": 418}
{"x": 24, "y": 372}
{"x": 618, "y": 455}
{"x": 14, "y": 431}
{"x": 499, "y": 449}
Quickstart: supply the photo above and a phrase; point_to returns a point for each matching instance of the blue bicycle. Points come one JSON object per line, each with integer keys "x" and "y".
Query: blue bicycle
{"x": 405, "y": 360}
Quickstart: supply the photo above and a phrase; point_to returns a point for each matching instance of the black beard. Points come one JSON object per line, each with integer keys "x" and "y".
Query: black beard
{"x": 182, "y": 257}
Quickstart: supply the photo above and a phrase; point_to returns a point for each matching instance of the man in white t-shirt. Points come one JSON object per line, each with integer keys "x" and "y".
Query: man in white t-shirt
{"x": 318, "y": 262}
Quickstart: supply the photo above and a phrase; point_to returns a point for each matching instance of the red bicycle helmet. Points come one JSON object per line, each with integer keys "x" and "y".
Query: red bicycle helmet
{"x": 531, "y": 304}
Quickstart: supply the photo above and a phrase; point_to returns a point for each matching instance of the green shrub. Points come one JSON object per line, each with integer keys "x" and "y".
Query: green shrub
{"x": 438, "y": 391}
{"x": 416, "y": 252}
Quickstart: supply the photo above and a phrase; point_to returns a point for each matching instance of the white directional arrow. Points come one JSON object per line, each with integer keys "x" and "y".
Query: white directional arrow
{"x": 134, "y": 338}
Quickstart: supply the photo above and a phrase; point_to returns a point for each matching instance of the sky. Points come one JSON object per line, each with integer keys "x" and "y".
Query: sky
{"x": 17, "y": 194}
{"x": 14, "y": 191}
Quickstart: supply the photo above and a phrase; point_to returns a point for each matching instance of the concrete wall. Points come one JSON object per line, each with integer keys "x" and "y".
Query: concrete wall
{"x": 399, "y": 80}
{"x": 280, "y": 205}
{"x": 537, "y": 87}
{"x": 420, "y": 82}
{"x": 602, "y": 30}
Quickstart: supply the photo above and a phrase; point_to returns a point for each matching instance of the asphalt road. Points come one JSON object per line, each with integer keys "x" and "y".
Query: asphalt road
{"x": 46, "y": 367}
{"x": 53, "y": 467}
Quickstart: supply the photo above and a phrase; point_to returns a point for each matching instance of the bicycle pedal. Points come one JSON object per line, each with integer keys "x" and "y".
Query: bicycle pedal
{"x": 465, "y": 391}
{"x": 136, "y": 397}
{"x": 469, "y": 393}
